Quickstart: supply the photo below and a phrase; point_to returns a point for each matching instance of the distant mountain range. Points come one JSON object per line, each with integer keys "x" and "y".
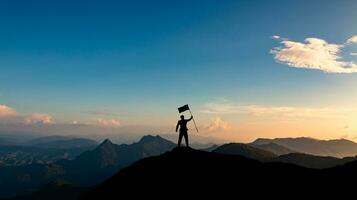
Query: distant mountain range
{"x": 46, "y": 139}
{"x": 26, "y": 155}
{"x": 274, "y": 148}
{"x": 94, "y": 166}
{"x": 258, "y": 152}
{"x": 246, "y": 151}
{"x": 336, "y": 148}
{"x": 60, "y": 142}
{"x": 43, "y": 150}
{"x": 89, "y": 168}
{"x": 310, "y": 161}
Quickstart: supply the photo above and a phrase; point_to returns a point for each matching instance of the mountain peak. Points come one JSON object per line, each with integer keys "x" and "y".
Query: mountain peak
{"x": 150, "y": 138}
{"x": 106, "y": 142}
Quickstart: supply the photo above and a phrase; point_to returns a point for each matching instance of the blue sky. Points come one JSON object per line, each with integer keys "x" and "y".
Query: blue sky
{"x": 136, "y": 61}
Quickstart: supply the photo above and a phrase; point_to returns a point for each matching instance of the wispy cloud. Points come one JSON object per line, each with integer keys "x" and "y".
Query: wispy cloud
{"x": 264, "y": 110}
{"x": 108, "y": 122}
{"x": 275, "y": 37}
{"x": 112, "y": 123}
{"x": 75, "y": 122}
{"x": 278, "y": 37}
{"x": 9, "y": 115}
{"x": 217, "y": 124}
{"x": 38, "y": 118}
{"x": 314, "y": 53}
{"x": 352, "y": 40}
{"x": 6, "y": 111}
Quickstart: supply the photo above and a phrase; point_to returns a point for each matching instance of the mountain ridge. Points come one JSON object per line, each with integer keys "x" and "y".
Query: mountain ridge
{"x": 337, "y": 147}
{"x": 245, "y": 150}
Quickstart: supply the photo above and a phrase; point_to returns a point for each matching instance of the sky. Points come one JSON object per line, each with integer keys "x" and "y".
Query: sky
{"x": 247, "y": 69}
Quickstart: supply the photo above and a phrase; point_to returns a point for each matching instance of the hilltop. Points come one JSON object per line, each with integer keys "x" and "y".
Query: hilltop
{"x": 193, "y": 171}
{"x": 203, "y": 173}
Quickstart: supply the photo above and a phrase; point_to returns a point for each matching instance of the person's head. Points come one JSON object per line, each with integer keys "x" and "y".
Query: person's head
{"x": 182, "y": 117}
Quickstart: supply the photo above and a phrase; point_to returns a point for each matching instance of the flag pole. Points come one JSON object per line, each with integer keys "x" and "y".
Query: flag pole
{"x": 193, "y": 120}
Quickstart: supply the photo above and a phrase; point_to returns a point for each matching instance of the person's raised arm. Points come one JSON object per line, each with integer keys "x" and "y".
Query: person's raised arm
{"x": 190, "y": 118}
{"x": 177, "y": 126}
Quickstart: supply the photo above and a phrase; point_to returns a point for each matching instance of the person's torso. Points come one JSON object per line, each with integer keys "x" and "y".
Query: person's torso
{"x": 183, "y": 124}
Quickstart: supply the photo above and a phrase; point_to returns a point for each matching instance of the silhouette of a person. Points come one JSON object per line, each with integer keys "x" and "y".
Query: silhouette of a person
{"x": 182, "y": 123}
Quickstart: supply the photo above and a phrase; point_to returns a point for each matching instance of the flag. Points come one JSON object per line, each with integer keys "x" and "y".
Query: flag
{"x": 183, "y": 108}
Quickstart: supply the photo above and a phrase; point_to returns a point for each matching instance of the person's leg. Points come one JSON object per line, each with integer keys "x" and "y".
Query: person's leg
{"x": 179, "y": 140}
{"x": 186, "y": 139}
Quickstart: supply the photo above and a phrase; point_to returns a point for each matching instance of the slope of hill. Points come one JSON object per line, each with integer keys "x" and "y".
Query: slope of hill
{"x": 211, "y": 148}
{"x": 57, "y": 190}
{"x": 200, "y": 173}
{"x": 310, "y": 161}
{"x": 305, "y": 160}
{"x": 336, "y": 148}
{"x": 274, "y": 148}
{"x": 22, "y": 179}
{"x": 246, "y": 151}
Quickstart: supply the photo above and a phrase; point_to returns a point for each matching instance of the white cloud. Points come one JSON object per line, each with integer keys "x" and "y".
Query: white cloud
{"x": 9, "y": 115}
{"x": 75, "y": 122}
{"x": 353, "y": 54}
{"x": 38, "y": 118}
{"x": 278, "y": 37}
{"x": 217, "y": 124}
{"x": 108, "y": 122}
{"x": 6, "y": 111}
{"x": 315, "y": 53}
{"x": 352, "y": 40}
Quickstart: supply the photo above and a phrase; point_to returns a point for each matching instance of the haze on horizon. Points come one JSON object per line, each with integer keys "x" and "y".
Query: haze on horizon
{"x": 248, "y": 69}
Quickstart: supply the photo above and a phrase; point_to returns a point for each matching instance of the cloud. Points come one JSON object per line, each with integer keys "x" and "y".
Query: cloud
{"x": 6, "y": 111}
{"x": 38, "y": 118}
{"x": 108, "y": 122}
{"x": 353, "y": 54}
{"x": 352, "y": 40}
{"x": 315, "y": 54}
{"x": 278, "y": 37}
{"x": 9, "y": 115}
{"x": 278, "y": 111}
{"x": 75, "y": 122}
{"x": 217, "y": 124}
